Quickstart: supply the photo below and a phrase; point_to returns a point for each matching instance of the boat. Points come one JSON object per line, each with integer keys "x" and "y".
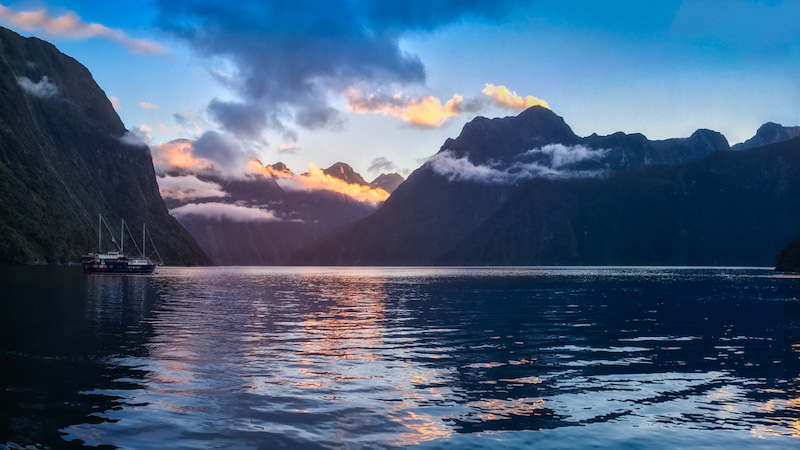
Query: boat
{"x": 117, "y": 261}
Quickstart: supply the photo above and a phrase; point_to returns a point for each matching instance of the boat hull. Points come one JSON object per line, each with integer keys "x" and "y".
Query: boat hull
{"x": 118, "y": 265}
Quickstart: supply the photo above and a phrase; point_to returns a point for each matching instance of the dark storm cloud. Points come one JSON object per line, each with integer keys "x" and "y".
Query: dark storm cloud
{"x": 225, "y": 152}
{"x": 291, "y": 57}
{"x": 247, "y": 120}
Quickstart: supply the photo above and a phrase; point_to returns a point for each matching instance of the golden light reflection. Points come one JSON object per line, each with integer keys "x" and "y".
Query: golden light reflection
{"x": 423, "y": 428}
{"x": 786, "y": 409}
{"x": 498, "y": 409}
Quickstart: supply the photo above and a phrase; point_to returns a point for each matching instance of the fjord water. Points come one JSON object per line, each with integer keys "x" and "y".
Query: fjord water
{"x": 381, "y": 357}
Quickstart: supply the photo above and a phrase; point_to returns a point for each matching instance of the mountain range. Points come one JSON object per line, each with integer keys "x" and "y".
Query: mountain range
{"x": 261, "y": 218}
{"x": 65, "y": 158}
{"x": 526, "y": 190}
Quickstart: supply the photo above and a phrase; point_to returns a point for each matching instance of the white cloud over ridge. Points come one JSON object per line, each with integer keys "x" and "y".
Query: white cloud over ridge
{"x": 43, "y": 88}
{"x": 224, "y": 211}
{"x": 132, "y": 139}
{"x": 549, "y": 161}
{"x": 188, "y": 187}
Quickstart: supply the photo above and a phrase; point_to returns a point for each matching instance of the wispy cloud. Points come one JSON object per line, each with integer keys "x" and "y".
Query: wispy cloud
{"x": 425, "y": 111}
{"x": 70, "y": 26}
{"x": 505, "y": 97}
{"x": 143, "y": 133}
{"x": 43, "y": 88}
{"x": 382, "y": 164}
{"x": 114, "y": 102}
{"x": 188, "y": 187}
{"x": 225, "y": 211}
{"x": 148, "y": 105}
{"x": 549, "y": 161}
{"x": 132, "y": 139}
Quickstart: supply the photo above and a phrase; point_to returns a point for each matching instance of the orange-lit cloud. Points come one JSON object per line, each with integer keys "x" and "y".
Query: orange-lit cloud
{"x": 70, "y": 26}
{"x": 114, "y": 102}
{"x": 178, "y": 155}
{"x": 316, "y": 179}
{"x": 426, "y": 111}
{"x": 148, "y": 105}
{"x": 505, "y": 97}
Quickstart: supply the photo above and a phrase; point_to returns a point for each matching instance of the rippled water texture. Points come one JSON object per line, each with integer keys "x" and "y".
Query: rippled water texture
{"x": 478, "y": 358}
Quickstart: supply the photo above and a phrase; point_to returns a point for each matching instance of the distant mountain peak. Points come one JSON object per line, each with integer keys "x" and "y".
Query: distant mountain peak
{"x": 280, "y": 167}
{"x": 768, "y": 133}
{"x": 345, "y": 173}
{"x": 388, "y": 181}
{"x": 482, "y": 140}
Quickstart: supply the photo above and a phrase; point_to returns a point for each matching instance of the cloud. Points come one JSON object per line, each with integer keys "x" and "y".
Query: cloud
{"x": 563, "y": 156}
{"x": 188, "y": 187}
{"x": 178, "y": 154}
{"x": 224, "y": 151}
{"x": 43, "y": 88}
{"x": 549, "y": 161}
{"x": 503, "y": 96}
{"x": 241, "y": 119}
{"x": 316, "y": 179}
{"x": 224, "y": 211}
{"x": 295, "y": 60}
{"x": 426, "y": 111}
{"x": 143, "y": 133}
{"x": 114, "y": 102}
{"x": 70, "y": 26}
{"x": 148, "y": 105}
{"x": 382, "y": 164}
{"x": 132, "y": 139}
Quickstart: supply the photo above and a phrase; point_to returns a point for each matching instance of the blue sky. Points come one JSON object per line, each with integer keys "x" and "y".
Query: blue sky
{"x": 331, "y": 81}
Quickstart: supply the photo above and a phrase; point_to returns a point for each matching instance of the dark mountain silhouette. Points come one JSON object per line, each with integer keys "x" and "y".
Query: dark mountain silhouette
{"x": 66, "y": 157}
{"x": 769, "y": 133}
{"x": 388, "y": 181}
{"x": 472, "y": 176}
{"x": 729, "y": 208}
{"x": 788, "y": 260}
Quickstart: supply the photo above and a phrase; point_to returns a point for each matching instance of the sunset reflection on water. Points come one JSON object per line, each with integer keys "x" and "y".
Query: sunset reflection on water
{"x": 309, "y": 357}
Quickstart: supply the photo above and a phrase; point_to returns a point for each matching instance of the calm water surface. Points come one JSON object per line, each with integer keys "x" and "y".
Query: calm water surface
{"x": 383, "y": 357}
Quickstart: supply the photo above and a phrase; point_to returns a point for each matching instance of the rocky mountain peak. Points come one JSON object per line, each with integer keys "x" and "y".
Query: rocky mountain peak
{"x": 388, "y": 181}
{"x": 501, "y": 139}
{"x": 769, "y": 133}
{"x": 345, "y": 173}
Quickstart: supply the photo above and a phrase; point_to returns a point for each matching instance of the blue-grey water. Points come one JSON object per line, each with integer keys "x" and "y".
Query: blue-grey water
{"x": 399, "y": 357}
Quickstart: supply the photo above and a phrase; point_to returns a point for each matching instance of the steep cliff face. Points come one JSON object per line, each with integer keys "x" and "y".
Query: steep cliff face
{"x": 65, "y": 157}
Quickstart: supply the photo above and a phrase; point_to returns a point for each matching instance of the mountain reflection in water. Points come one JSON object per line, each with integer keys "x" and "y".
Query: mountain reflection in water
{"x": 380, "y": 357}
